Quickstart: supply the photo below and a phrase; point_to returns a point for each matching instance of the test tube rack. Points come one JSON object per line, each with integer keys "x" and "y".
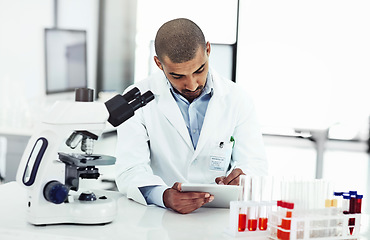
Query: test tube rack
{"x": 315, "y": 224}
{"x": 232, "y": 229}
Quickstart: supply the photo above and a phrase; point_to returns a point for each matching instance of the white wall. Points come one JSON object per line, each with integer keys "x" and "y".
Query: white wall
{"x": 22, "y": 64}
{"x": 82, "y": 14}
{"x": 22, "y": 24}
{"x": 307, "y": 62}
{"x": 217, "y": 19}
{"x": 118, "y": 58}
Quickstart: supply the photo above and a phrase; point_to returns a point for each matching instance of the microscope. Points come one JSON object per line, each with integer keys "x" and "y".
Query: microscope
{"x": 51, "y": 176}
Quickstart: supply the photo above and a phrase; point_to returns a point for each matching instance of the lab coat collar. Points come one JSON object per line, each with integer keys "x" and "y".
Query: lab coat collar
{"x": 168, "y": 106}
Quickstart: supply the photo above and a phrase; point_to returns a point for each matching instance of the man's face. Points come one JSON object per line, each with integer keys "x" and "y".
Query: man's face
{"x": 188, "y": 78}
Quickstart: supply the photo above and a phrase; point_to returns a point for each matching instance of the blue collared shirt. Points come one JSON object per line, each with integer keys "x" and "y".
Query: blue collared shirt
{"x": 193, "y": 114}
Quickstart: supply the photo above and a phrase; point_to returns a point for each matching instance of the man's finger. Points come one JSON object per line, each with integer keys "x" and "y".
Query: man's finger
{"x": 235, "y": 181}
{"x": 177, "y": 186}
{"x": 233, "y": 177}
{"x": 194, "y": 195}
{"x": 220, "y": 180}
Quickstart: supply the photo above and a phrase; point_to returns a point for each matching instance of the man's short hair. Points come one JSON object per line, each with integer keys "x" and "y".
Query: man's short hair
{"x": 179, "y": 40}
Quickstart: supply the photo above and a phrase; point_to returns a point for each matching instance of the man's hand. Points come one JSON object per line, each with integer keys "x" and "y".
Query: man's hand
{"x": 185, "y": 202}
{"x": 232, "y": 179}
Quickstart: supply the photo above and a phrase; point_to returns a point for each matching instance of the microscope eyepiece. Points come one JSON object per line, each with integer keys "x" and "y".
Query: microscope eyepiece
{"x": 122, "y": 107}
{"x": 142, "y": 100}
{"x": 132, "y": 94}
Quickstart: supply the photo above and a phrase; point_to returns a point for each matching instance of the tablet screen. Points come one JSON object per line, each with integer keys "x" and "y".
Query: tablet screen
{"x": 223, "y": 193}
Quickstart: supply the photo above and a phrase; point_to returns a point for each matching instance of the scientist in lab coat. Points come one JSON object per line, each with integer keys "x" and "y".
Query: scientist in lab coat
{"x": 200, "y": 127}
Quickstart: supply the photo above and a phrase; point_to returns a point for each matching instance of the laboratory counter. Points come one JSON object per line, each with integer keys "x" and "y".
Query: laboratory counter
{"x": 133, "y": 221}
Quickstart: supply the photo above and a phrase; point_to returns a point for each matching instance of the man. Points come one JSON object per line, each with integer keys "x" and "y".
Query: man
{"x": 199, "y": 128}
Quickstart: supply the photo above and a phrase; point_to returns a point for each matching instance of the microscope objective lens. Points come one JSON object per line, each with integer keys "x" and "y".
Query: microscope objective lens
{"x": 87, "y": 145}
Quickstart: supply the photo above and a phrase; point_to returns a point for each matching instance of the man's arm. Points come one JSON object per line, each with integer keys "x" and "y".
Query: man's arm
{"x": 133, "y": 171}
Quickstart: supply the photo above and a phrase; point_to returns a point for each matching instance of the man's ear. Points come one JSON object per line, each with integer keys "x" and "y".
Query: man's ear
{"x": 158, "y": 63}
{"x": 208, "y": 48}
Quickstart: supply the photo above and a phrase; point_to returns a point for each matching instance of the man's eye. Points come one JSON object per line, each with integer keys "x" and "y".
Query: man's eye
{"x": 200, "y": 70}
{"x": 177, "y": 77}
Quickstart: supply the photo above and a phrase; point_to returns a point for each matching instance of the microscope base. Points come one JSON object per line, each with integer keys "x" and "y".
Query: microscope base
{"x": 101, "y": 211}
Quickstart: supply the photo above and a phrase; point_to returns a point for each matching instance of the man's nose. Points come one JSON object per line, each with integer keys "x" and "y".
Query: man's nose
{"x": 192, "y": 84}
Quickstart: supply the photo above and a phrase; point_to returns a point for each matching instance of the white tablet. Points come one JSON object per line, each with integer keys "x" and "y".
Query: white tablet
{"x": 223, "y": 193}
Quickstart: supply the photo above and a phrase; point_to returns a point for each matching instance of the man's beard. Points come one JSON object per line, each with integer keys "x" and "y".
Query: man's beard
{"x": 191, "y": 95}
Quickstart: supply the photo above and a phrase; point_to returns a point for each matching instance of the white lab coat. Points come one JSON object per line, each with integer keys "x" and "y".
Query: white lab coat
{"x": 154, "y": 146}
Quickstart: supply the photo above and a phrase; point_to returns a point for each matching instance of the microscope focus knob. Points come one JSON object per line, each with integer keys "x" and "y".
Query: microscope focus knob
{"x": 55, "y": 192}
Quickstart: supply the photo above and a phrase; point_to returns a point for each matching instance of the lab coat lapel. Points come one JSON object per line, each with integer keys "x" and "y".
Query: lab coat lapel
{"x": 171, "y": 111}
{"x": 213, "y": 115}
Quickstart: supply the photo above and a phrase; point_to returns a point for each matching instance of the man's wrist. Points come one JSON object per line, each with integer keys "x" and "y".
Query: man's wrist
{"x": 165, "y": 197}
{"x": 154, "y": 194}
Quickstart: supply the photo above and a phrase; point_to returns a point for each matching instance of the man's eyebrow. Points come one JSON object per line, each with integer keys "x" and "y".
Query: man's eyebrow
{"x": 176, "y": 74}
{"x": 200, "y": 67}
{"x": 180, "y": 75}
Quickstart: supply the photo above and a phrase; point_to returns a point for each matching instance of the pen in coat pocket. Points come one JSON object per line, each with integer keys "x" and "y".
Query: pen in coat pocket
{"x": 232, "y": 140}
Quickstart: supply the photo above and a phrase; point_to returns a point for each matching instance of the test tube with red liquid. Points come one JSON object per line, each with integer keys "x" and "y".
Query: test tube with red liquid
{"x": 358, "y": 203}
{"x": 242, "y": 221}
{"x": 354, "y": 207}
{"x": 244, "y": 182}
{"x": 266, "y": 196}
{"x": 252, "y": 218}
{"x": 262, "y": 218}
{"x": 351, "y": 209}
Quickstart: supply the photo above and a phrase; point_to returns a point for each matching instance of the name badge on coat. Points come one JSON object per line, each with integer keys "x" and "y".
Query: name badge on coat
{"x": 220, "y": 156}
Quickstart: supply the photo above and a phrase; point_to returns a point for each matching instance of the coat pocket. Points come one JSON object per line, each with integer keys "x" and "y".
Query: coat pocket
{"x": 220, "y": 156}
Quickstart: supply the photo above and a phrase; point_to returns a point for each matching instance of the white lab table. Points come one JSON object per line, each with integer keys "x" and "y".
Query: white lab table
{"x": 134, "y": 221}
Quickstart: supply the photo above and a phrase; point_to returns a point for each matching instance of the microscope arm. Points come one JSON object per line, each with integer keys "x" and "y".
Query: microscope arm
{"x": 38, "y": 167}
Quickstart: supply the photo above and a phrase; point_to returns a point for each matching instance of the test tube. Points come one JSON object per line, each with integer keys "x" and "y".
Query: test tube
{"x": 352, "y": 210}
{"x": 244, "y": 196}
{"x": 336, "y": 201}
{"x": 252, "y": 218}
{"x": 266, "y": 196}
{"x": 336, "y": 205}
{"x": 345, "y": 203}
{"x": 255, "y": 196}
{"x": 357, "y": 209}
{"x": 354, "y": 207}
{"x": 286, "y": 220}
{"x": 242, "y": 221}
{"x": 358, "y": 203}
